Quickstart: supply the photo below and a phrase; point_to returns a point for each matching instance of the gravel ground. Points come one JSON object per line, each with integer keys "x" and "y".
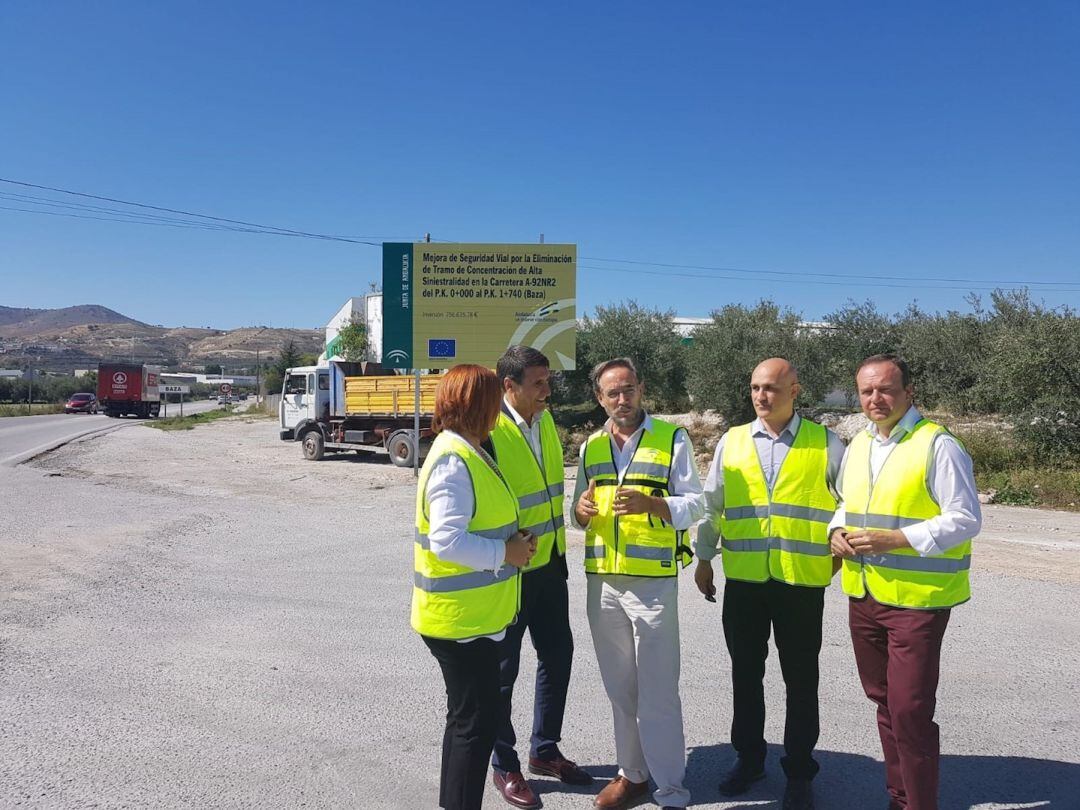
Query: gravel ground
{"x": 203, "y": 619}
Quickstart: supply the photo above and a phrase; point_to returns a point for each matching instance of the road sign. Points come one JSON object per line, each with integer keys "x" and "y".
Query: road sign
{"x": 176, "y": 389}
{"x": 225, "y": 388}
{"x": 449, "y": 303}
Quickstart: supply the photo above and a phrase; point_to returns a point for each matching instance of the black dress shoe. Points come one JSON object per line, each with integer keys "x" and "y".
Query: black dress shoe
{"x": 798, "y": 795}
{"x": 738, "y": 780}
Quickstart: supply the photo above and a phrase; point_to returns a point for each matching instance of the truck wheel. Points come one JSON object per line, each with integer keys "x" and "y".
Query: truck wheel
{"x": 400, "y": 447}
{"x": 313, "y": 445}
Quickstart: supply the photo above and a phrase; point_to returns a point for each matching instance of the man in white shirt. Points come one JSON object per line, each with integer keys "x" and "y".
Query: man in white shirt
{"x": 768, "y": 498}
{"x": 904, "y": 526}
{"x": 526, "y": 448}
{"x": 637, "y": 493}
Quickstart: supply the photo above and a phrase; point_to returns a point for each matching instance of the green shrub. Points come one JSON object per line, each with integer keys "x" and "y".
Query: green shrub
{"x": 992, "y": 450}
{"x": 1050, "y": 436}
{"x": 1034, "y": 486}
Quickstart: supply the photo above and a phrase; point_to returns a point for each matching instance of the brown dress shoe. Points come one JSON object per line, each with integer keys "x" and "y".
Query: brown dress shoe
{"x": 561, "y": 768}
{"x": 515, "y": 790}
{"x": 620, "y": 792}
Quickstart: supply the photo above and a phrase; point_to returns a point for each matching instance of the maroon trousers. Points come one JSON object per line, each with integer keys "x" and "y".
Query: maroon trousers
{"x": 898, "y": 651}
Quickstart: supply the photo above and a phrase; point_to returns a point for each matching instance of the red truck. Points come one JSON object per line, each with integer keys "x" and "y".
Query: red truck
{"x": 127, "y": 388}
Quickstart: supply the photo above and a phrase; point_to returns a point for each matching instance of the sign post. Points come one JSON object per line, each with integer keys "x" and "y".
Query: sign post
{"x": 174, "y": 389}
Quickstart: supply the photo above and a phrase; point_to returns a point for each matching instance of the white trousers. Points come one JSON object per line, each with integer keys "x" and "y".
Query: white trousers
{"x": 635, "y": 631}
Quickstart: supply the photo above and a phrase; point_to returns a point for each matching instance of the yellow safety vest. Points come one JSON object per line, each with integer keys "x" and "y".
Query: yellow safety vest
{"x": 782, "y": 534}
{"x": 642, "y": 545}
{"x": 900, "y": 497}
{"x": 453, "y": 601}
{"x": 539, "y": 490}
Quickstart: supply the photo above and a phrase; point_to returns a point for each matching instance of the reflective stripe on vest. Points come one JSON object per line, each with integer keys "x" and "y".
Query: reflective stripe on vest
{"x": 641, "y": 545}
{"x": 898, "y": 498}
{"x": 453, "y": 601}
{"x": 539, "y": 490}
{"x": 780, "y": 534}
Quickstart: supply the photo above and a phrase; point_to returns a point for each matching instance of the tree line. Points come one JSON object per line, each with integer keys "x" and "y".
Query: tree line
{"x": 1011, "y": 356}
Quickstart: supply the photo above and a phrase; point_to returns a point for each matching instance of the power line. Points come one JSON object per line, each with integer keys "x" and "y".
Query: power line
{"x": 857, "y": 281}
{"x": 265, "y": 228}
{"x": 195, "y": 226}
{"x": 135, "y": 216}
{"x": 803, "y": 274}
{"x": 216, "y": 223}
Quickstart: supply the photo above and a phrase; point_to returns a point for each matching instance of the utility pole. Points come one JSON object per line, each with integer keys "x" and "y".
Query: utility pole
{"x": 416, "y": 409}
{"x": 30, "y": 393}
{"x": 258, "y": 379}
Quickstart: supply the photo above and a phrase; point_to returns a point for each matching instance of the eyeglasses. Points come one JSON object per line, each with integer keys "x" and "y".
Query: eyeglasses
{"x": 615, "y": 394}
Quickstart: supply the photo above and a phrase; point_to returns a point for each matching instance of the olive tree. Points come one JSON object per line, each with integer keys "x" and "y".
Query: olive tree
{"x": 725, "y": 351}
{"x": 855, "y": 332}
{"x": 646, "y": 336}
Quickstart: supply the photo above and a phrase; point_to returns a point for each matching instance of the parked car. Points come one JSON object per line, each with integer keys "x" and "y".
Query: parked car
{"x": 82, "y": 403}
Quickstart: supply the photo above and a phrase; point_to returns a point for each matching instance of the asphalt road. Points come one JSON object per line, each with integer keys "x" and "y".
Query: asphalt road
{"x": 22, "y": 437}
{"x": 202, "y": 619}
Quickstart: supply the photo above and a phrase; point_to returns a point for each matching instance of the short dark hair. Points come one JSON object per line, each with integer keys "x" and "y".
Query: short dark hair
{"x": 889, "y": 357}
{"x": 516, "y": 360}
{"x": 618, "y": 362}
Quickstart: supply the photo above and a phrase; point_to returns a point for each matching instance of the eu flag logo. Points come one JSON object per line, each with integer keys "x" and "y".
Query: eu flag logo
{"x": 442, "y": 347}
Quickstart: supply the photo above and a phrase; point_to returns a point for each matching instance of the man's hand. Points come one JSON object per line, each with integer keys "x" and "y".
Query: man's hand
{"x": 703, "y": 578}
{"x": 633, "y": 502}
{"x": 876, "y": 541}
{"x": 838, "y": 542}
{"x": 586, "y": 505}
{"x": 520, "y": 549}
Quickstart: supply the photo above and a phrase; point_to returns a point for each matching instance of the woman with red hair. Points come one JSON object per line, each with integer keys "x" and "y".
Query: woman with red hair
{"x": 466, "y": 583}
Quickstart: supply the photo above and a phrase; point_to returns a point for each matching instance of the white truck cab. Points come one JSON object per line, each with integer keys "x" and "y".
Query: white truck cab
{"x": 305, "y": 399}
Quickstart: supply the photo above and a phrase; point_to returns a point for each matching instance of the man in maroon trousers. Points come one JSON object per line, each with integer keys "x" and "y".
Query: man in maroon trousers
{"x": 904, "y": 530}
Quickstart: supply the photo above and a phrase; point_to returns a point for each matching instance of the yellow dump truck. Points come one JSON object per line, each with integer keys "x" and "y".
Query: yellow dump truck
{"x": 352, "y": 406}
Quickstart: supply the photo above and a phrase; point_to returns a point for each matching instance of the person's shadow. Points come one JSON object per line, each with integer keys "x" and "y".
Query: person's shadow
{"x": 856, "y": 782}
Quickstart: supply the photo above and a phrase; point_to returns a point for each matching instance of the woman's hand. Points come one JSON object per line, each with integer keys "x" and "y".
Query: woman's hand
{"x": 520, "y": 549}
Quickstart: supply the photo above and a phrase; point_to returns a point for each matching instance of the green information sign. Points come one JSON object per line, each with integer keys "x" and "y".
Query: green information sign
{"x": 445, "y": 304}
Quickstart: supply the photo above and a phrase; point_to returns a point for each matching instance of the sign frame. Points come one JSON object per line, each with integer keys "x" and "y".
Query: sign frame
{"x": 450, "y": 303}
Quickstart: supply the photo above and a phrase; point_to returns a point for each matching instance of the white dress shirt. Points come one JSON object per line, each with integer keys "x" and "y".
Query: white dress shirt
{"x": 531, "y": 432}
{"x": 685, "y": 501}
{"x": 951, "y": 481}
{"x": 771, "y": 452}
{"x": 451, "y": 504}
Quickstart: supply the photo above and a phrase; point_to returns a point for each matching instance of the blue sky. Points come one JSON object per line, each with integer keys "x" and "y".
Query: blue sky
{"x": 870, "y": 141}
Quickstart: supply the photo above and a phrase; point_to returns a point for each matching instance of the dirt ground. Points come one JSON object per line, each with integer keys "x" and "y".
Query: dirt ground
{"x": 242, "y": 456}
{"x": 203, "y": 618}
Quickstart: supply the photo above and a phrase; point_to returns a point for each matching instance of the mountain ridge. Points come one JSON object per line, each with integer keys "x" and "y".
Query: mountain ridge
{"x": 81, "y": 336}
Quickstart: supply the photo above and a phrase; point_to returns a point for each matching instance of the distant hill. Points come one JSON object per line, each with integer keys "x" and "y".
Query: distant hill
{"x": 82, "y": 336}
{"x": 16, "y": 322}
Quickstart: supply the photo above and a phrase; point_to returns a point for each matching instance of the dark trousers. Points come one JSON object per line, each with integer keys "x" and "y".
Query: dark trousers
{"x": 751, "y": 609}
{"x": 545, "y": 612}
{"x": 473, "y": 713}
{"x": 898, "y": 652}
